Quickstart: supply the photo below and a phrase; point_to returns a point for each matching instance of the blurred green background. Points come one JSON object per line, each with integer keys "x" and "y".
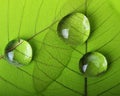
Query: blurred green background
{"x": 116, "y": 4}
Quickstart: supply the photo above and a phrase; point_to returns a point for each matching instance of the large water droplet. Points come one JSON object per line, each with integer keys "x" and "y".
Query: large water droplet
{"x": 93, "y": 64}
{"x": 74, "y": 29}
{"x": 18, "y": 52}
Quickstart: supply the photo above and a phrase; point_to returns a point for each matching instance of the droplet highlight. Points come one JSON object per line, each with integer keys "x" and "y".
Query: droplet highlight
{"x": 74, "y": 29}
{"x": 93, "y": 64}
{"x": 18, "y": 53}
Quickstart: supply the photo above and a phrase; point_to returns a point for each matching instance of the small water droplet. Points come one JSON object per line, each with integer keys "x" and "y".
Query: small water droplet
{"x": 18, "y": 52}
{"x": 93, "y": 64}
{"x": 74, "y": 29}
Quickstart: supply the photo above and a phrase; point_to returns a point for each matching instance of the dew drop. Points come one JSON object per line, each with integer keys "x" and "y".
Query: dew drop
{"x": 93, "y": 64}
{"x": 18, "y": 53}
{"x": 74, "y": 29}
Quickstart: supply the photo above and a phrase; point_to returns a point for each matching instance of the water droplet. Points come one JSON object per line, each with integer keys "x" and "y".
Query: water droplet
{"x": 18, "y": 52}
{"x": 93, "y": 64}
{"x": 74, "y": 29}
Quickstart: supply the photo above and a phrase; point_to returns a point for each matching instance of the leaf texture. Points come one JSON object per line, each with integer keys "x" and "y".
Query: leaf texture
{"x": 54, "y": 69}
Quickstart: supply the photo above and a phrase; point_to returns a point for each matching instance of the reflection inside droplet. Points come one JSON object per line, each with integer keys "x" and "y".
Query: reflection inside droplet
{"x": 84, "y": 68}
{"x": 86, "y": 23}
{"x": 65, "y": 33}
{"x": 10, "y": 55}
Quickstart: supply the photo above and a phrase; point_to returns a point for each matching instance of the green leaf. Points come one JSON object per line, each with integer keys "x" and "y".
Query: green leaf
{"x": 54, "y": 69}
{"x": 115, "y": 5}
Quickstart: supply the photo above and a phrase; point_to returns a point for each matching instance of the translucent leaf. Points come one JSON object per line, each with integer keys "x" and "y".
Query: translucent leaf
{"x": 54, "y": 69}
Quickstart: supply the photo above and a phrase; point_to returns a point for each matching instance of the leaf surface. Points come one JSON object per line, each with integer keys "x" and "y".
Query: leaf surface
{"x": 54, "y": 69}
